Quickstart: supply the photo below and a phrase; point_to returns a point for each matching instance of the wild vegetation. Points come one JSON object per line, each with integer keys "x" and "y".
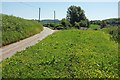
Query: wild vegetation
{"x": 114, "y": 31}
{"x": 75, "y": 18}
{"x": 67, "y": 53}
{"x": 49, "y": 21}
{"x": 94, "y": 26}
{"x": 15, "y": 28}
{"x": 106, "y": 22}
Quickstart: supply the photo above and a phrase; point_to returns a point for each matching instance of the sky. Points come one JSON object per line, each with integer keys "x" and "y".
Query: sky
{"x": 29, "y": 10}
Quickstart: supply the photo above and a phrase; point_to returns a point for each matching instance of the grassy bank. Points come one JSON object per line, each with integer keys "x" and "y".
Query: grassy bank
{"x": 67, "y": 53}
{"x": 15, "y": 28}
{"x": 114, "y": 31}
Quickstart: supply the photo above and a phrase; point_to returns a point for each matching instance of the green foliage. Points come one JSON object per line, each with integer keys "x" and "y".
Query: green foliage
{"x": 97, "y": 22}
{"x": 113, "y": 21}
{"x": 50, "y": 21}
{"x": 77, "y": 25}
{"x": 114, "y": 31}
{"x": 53, "y": 26}
{"x": 84, "y": 23}
{"x": 94, "y": 26}
{"x": 103, "y": 24}
{"x": 75, "y": 14}
{"x": 0, "y": 71}
{"x": 15, "y": 28}
{"x": 66, "y": 54}
{"x": 65, "y": 23}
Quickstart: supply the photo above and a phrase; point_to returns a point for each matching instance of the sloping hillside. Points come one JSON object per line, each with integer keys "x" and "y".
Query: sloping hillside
{"x": 15, "y": 28}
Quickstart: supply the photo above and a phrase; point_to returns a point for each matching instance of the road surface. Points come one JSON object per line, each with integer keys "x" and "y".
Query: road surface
{"x": 9, "y": 50}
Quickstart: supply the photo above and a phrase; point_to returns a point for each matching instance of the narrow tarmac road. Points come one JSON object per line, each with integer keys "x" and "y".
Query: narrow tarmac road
{"x": 9, "y": 50}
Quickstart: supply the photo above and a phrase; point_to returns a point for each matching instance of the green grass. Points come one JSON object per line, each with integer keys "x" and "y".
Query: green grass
{"x": 114, "y": 31}
{"x": 67, "y": 53}
{"x": 94, "y": 26}
{"x": 0, "y": 70}
{"x": 15, "y": 28}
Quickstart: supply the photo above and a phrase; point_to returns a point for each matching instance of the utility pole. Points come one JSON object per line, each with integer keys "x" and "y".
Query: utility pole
{"x": 54, "y": 16}
{"x": 39, "y": 14}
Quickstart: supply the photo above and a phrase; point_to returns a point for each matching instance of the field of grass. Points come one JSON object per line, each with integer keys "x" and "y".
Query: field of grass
{"x": 15, "y": 28}
{"x": 67, "y": 53}
{"x": 94, "y": 26}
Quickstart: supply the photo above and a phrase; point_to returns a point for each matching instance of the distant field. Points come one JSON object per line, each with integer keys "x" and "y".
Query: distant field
{"x": 67, "y": 53}
{"x": 94, "y": 26}
{"x": 15, "y": 28}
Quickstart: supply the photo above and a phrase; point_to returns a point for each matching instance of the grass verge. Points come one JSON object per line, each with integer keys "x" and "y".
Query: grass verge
{"x": 15, "y": 28}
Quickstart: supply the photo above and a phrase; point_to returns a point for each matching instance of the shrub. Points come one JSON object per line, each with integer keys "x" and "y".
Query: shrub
{"x": 84, "y": 23}
{"x": 77, "y": 25}
{"x": 65, "y": 23}
{"x": 103, "y": 24}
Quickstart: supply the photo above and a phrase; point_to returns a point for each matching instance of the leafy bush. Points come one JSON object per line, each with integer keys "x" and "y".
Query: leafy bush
{"x": 84, "y": 23}
{"x": 77, "y": 25}
{"x": 65, "y": 23}
{"x": 55, "y": 26}
{"x": 15, "y": 28}
{"x": 103, "y": 24}
{"x": 66, "y": 54}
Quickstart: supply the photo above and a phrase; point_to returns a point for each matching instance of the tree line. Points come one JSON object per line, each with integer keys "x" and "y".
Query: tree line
{"x": 76, "y": 18}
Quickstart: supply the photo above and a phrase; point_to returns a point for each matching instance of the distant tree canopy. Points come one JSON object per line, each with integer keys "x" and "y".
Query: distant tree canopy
{"x": 98, "y": 22}
{"x": 103, "y": 24}
{"x": 111, "y": 21}
{"x": 75, "y": 14}
{"x": 75, "y": 19}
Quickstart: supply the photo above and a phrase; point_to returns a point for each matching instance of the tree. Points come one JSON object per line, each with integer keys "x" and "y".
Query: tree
{"x": 103, "y": 24}
{"x": 65, "y": 23}
{"x": 82, "y": 23}
{"x": 75, "y": 14}
{"x": 77, "y": 25}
